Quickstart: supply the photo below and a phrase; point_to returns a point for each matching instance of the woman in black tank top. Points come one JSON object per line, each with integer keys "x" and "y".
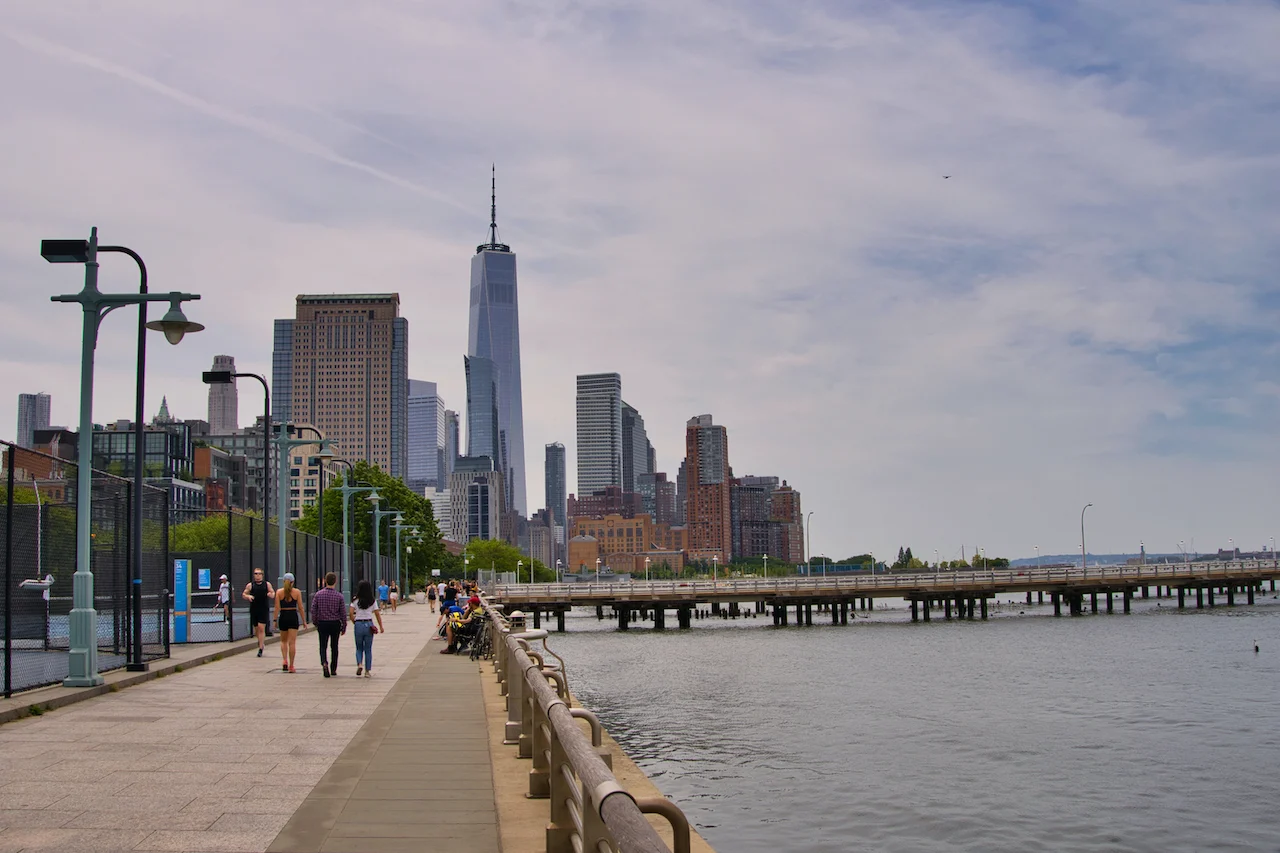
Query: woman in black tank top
{"x": 290, "y": 616}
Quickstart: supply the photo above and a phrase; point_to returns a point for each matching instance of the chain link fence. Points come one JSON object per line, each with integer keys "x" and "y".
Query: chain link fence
{"x": 38, "y": 544}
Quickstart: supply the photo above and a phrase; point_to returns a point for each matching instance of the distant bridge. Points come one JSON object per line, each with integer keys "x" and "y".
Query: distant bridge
{"x": 967, "y": 592}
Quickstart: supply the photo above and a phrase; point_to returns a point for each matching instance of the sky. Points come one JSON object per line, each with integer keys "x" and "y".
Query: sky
{"x": 740, "y": 207}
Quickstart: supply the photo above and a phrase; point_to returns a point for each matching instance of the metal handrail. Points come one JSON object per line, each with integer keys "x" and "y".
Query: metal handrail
{"x": 638, "y": 591}
{"x": 590, "y": 810}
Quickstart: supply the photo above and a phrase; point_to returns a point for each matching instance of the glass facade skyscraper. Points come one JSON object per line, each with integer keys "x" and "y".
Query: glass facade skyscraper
{"x": 33, "y": 414}
{"x": 599, "y": 409}
{"x": 428, "y": 438}
{"x": 494, "y": 333}
{"x": 483, "y": 430}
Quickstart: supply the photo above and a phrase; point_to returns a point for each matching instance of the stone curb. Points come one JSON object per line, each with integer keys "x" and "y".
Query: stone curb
{"x": 120, "y": 678}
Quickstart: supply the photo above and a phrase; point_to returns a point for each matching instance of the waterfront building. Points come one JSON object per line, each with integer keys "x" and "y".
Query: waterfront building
{"x": 341, "y": 364}
{"x": 636, "y": 449}
{"x": 541, "y": 534}
{"x": 786, "y": 525}
{"x": 428, "y": 438}
{"x": 556, "y": 484}
{"x": 441, "y": 509}
{"x": 657, "y": 497}
{"x": 707, "y": 512}
{"x": 749, "y": 520}
{"x": 599, "y": 428}
{"x": 224, "y": 401}
{"x": 607, "y": 501}
{"x": 682, "y": 492}
{"x": 477, "y": 500}
{"x": 33, "y": 414}
{"x": 493, "y": 332}
{"x": 248, "y": 443}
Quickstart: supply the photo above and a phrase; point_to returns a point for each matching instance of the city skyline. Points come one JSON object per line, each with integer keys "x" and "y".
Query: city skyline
{"x": 1081, "y": 313}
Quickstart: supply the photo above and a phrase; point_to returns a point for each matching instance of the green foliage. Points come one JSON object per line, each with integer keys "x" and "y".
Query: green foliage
{"x": 498, "y": 556}
{"x": 428, "y": 550}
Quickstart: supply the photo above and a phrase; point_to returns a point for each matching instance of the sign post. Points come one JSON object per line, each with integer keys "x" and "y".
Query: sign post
{"x": 181, "y": 599}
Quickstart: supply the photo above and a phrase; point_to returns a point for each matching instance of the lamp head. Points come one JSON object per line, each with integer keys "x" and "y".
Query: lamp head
{"x": 217, "y": 377}
{"x": 325, "y": 454}
{"x": 373, "y": 497}
{"x": 399, "y": 519}
{"x": 174, "y": 324}
{"x": 65, "y": 251}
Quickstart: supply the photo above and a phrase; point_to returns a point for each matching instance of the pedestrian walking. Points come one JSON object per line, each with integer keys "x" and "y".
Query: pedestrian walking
{"x": 431, "y": 596}
{"x": 224, "y": 599}
{"x": 259, "y": 593}
{"x": 329, "y": 613}
{"x": 384, "y": 594}
{"x": 364, "y": 612}
{"x": 393, "y": 595}
{"x": 290, "y": 616}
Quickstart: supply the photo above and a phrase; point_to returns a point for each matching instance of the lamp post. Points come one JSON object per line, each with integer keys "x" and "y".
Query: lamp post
{"x": 935, "y": 559}
{"x": 82, "y": 668}
{"x": 808, "y": 544}
{"x": 983, "y": 553}
{"x": 520, "y": 565}
{"x": 1084, "y": 553}
{"x": 1182, "y": 550}
{"x": 558, "y": 578}
{"x": 324, "y": 456}
{"x": 466, "y": 565}
{"x": 347, "y": 490}
{"x": 1273, "y": 552}
{"x": 399, "y": 526}
{"x": 1231, "y": 546}
{"x": 646, "y": 569}
{"x": 597, "y": 570}
{"x": 824, "y": 566}
{"x": 224, "y": 377}
{"x": 284, "y": 447}
{"x": 378, "y": 514}
{"x": 766, "y": 566}
{"x": 715, "y": 568}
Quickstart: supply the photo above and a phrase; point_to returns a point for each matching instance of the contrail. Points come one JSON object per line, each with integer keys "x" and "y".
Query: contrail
{"x": 266, "y": 130}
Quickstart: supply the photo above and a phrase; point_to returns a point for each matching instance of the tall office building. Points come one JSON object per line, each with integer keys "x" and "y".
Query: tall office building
{"x": 341, "y": 365}
{"x": 428, "y": 438}
{"x": 707, "y": 510}
{"x": 452, "y": 439}
{"x": 557, "y": 487}
{"x": 33, "y": 414}
{"x": 484, "y": 429}
{"x": 476, "y": 500}
{"x": 224, "y": 402}
{"x": 493, "y": 332}
{"x": 636, "y": 449}
{"x": 599, "y": 407}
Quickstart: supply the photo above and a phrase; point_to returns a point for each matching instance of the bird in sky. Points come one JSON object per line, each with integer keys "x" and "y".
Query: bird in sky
{"x": 945, "y": 177}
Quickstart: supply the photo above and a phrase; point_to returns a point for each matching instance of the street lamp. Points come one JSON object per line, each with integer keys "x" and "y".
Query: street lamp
{"x": 399, "y": 526}
{"x": 597, "y": 570}
{"x": 559, "y": 579}
{"x": 824, "y": 565}
{"x": 224, "y": 377}
{"x": 284, "y": 448}
{"x": 983, "y": 552}
{"x": 808, "y": 544}
{"x": 324, "y": 456}
{"x": 1231, "y": 546}
{"x": 466, "y": 565}
{"x": 1084, "y": 553}
{"x": 715, "y": 568}
{"x": 519, "y": 565}
{"x": 766, "y": 566}
{"x": 1037, "y": 557}
{"x": 378, "y": 514}
{"x": 82, "y": 668}
{"x": 936, "y": 565}
{"x": 646, "y": 569}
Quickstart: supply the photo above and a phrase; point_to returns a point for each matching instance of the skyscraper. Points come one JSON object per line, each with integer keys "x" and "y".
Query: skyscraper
{"x": 33, "y": 414}
{"x": 428, "y": 438}
{"x": 484, "y": 431}
{"x": 224, "y": 402}
{"x": 599, "y": 408}
{"x": 556, "y": 485}
{"x": 707, "y": 511}
{"x": 636, "y": 449}
{"x": 341, "y": 365}
{"x": 493, "y": 332}
{"x": 452, "y": 439}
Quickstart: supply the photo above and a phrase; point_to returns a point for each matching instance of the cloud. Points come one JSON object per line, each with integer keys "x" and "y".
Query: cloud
{"x": 740, "y": 207}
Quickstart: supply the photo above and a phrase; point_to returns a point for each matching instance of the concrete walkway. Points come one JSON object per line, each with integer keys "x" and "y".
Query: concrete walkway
{"x": 218, "y": 758}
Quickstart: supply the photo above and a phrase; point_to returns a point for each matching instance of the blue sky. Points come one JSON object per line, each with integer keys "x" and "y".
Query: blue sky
{"x": 740, "y": 207}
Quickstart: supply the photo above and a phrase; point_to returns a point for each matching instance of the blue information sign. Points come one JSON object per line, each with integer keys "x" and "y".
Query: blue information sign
{"x": 181, "y": 599}
{"x": 204, "y": 579}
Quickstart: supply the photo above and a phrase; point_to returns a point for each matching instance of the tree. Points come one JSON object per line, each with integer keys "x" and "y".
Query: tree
{"x": 428, "y": 553}
{"x": 495, "y": 555}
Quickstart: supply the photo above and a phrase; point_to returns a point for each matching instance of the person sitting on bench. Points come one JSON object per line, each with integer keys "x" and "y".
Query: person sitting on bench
{"x": 461, "y": 629}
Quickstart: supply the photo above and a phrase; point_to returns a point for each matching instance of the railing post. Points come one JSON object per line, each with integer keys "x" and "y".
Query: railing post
{"x": 539, "y": 782}
{"x": 560, "y": 829}
{"x": 515, "y": 702}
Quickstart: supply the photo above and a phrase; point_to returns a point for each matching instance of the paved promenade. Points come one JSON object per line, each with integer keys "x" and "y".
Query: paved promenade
{"x": 236, "y": 755}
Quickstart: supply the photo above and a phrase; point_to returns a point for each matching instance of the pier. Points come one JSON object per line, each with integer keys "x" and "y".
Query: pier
{"x": 950, "y": 594}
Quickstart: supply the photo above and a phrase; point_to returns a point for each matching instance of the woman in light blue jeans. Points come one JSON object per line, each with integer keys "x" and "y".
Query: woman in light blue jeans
{"x": 364, "y": 612}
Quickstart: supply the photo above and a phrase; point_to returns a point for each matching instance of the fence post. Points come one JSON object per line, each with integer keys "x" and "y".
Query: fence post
{"x": 8, "y": 576}
{"x": 231, "y": 578}
{"x": 163, "y": 614}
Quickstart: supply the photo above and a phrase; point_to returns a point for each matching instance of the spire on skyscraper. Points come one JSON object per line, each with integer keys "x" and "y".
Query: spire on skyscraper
{"x": 493, "y": 245}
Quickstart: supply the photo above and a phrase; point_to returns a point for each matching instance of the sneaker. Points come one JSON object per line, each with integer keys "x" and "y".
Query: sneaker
{"x": 326, "y": 670}
{"x": 359, "y": 669}
{"x": 291, "y": 669}
{"x": 284, "y": 667}
{"x": 368, "y": 673}
{"x": 448, "y": 650}
{"x": 259, "y": 652}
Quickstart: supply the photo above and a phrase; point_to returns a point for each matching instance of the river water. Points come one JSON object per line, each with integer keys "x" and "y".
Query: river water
{"x": 1157, "y": 731}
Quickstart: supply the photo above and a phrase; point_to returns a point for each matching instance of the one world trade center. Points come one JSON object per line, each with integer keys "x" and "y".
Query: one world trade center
{"x": 494, "y": 333}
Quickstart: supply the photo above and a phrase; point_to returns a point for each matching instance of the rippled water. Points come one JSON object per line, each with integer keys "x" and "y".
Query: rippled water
{"x": 1156, "y": 731}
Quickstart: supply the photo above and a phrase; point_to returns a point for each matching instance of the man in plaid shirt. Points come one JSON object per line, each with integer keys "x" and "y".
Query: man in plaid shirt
{"x": 329, "y": 613}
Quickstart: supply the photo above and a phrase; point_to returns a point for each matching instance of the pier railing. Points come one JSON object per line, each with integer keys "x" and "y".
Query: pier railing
{"x": 907, "y": 582}
{"x": 590, "y": 810}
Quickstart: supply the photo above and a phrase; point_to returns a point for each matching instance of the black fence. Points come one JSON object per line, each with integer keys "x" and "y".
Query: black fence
{"x": 229, "y": 543}
{"x": 38, "y": 543}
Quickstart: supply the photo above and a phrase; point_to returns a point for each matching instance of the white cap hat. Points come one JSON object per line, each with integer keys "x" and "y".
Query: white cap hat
{"x": 288, "y": 576}
{"x": 222, "y": 577}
